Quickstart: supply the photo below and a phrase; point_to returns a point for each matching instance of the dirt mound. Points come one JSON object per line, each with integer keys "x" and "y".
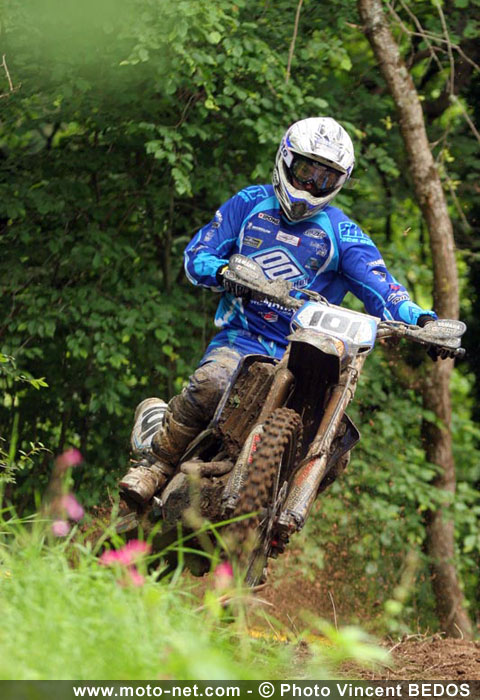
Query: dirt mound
{"x": 296, "y": 602}
{"x": 432, "y": 659}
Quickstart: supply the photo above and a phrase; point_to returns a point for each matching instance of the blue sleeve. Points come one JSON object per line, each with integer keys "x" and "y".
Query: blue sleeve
{"x": 212, "y": 246}
{"x": 368, "y": 278}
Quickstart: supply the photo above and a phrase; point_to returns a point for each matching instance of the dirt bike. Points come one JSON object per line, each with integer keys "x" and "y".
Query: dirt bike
{"x": 281, "y": 434}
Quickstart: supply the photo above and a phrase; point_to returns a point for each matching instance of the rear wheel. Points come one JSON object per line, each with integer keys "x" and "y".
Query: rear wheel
{"x": 264, "y": 492}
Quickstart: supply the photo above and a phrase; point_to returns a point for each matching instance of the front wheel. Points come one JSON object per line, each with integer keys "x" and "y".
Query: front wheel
{"x": 264, "y": 492}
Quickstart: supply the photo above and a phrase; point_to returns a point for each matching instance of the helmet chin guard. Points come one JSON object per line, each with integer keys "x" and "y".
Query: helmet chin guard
{"x": 318, "y": 140}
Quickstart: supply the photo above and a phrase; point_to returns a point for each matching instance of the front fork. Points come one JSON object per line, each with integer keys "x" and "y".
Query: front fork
{"x": 303, "y": 491}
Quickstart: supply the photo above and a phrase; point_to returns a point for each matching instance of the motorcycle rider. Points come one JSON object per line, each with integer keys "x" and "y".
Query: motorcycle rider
{"x": 291, "y": 230}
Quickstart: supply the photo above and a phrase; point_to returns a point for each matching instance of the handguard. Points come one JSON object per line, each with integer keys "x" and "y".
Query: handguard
{"x": 442, "y": 337}
{"x": 243, "y": 273}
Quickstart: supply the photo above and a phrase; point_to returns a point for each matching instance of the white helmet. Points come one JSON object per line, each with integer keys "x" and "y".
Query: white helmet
{"x": 317, "y": 155}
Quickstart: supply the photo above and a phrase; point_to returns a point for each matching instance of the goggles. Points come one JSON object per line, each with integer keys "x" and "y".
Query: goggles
{"x": 318, "y": 179}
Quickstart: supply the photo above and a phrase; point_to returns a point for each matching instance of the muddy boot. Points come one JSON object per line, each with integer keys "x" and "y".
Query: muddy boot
{"x": 148, "y": 475}
{"x": 161, "y": 452}
{"x": 142, "y": 481}
{"x": 171, "y": 441}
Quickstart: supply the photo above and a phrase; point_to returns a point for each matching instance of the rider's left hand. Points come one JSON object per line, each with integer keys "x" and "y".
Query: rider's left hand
{"x": 434, "y": 351}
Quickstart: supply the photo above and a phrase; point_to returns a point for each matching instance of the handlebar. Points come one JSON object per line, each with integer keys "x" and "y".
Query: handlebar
{"x": 444, "y": 334}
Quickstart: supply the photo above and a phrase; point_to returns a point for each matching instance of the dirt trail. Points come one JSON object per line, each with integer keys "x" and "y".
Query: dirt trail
{"x": 297, "y": 601}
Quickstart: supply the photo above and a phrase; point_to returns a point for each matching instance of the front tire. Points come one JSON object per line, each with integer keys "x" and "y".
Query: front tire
{"x": 264, "y": 491}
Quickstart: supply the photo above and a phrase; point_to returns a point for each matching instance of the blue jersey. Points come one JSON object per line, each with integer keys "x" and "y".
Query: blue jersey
{"x": 327, "y": 253}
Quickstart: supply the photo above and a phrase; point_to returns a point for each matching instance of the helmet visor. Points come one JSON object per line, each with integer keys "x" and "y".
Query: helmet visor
{"x": 315, "y": 177}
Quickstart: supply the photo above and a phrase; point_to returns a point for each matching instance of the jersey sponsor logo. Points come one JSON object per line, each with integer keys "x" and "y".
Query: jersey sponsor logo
{"x": 268, "y": 217}
{"x": 312, "y": 264}
{"x": 395, "y": 287}
{"x": 321, "y": 247}
{"x": 262, "y": 229}
{"x": 270, "y": 316}
{"x": 351, "y": 233}
{"x": 376, "y": 263}
{"x": 396, "y": 298}
{"x": 250, "y": 194}
{"x": 288, "y": 238}
{"x": 252, "y": 242}
{"x": 315, "y": 233}
{"x": 277, "y": 263}
{"x": 196, "y": 249}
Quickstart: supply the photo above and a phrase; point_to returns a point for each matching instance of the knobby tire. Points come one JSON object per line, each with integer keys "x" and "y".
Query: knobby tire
{"x": 274, "y": 459}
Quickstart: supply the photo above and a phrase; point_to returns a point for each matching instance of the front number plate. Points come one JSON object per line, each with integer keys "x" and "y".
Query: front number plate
{"x": 357, "y": 328}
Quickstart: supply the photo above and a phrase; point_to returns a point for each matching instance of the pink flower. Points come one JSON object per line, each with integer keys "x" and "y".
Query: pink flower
{"x": 127, "y": 555}
{"x": 72, "y": 506}
{"x": 223, "y": 576}
{"x": 126, "y": 558}
{"x": 109, "y": 558}
{"x": 69, "y": 458}
{"x": 60, "y": 528}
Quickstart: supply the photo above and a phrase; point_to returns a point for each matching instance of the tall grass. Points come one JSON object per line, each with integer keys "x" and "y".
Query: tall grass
{"x": 68, "y": 614}
{"x": 76, "y": 622}
{"x": 64, "y": 616}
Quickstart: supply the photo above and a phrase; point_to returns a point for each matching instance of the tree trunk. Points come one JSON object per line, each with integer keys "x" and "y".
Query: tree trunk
{"x": 436, "y": 393}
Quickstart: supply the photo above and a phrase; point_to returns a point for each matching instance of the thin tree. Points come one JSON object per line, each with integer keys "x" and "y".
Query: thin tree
{"x": 436, "y": 393}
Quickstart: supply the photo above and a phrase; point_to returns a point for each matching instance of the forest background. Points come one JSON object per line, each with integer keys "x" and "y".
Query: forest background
{"x": 123, "y": 126}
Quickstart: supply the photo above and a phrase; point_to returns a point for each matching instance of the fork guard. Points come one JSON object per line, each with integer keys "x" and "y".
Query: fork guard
{"x": 344, "y": 443}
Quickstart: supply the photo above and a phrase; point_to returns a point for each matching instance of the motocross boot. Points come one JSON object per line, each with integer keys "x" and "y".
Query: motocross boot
{"x": 171, "y": 441}
{"x": 146, "y": 474}
{"x": 143, "y": 480}
{"x": 160, "y": 459}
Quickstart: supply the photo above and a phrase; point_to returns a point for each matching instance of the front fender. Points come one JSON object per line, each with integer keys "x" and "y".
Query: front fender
{"x": 330, "y": 353}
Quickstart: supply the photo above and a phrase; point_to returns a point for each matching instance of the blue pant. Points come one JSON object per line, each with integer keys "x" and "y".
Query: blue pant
{"x": 196, "y": 405}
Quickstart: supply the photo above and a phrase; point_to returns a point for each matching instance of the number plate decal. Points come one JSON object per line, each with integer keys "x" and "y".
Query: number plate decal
{"x": 356, "y": 328}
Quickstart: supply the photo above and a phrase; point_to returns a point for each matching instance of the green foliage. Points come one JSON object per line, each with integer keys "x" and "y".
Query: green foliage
{"x": 124, "y": 126}
{"x": 11, "y": 460}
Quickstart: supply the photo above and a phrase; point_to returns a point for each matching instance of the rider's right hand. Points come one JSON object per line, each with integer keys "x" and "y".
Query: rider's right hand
{"x": 235, "y": 288}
